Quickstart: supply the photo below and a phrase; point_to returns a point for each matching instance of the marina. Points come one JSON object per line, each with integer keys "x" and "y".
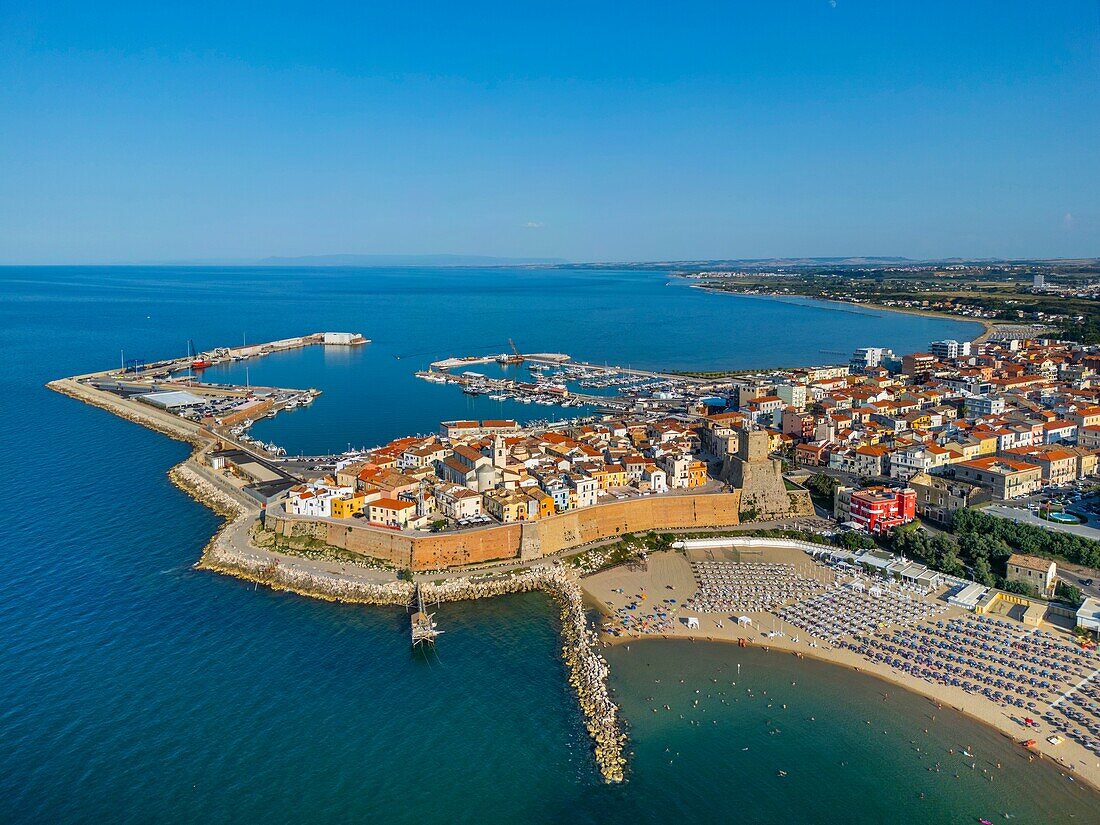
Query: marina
{"x": 558, "y": 380}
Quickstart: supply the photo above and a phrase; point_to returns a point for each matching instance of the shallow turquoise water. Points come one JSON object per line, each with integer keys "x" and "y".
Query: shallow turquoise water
{"x": 135, "y": 689}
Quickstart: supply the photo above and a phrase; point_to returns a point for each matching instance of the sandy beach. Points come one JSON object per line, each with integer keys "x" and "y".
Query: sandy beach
{"x": 672, "y": 570}
{"x": 988, "y": 327}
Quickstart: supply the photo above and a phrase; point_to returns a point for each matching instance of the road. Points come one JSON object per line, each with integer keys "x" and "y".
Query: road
{"x": 1072, "y": 574}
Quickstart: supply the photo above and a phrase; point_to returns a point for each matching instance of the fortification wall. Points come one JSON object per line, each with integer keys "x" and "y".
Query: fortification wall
{"x": 535, "y": 539}
{"x": 637, "y": 516}
{"x": 431, "y": 552}
{"x": 473, "y": 547}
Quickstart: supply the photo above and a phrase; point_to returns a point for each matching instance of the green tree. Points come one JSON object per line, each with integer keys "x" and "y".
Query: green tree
{"x": 852, "y": 540}
{"x": 912, "y": 541}
{"x": 822, "y": 486}
{"x": 983, "y": 573}
{"x": 1068, "y": 593}
{"x": 1020, "y": 588}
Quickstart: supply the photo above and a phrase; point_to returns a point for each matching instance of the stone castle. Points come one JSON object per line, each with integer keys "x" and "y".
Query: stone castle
{"x": 760, "y": 480}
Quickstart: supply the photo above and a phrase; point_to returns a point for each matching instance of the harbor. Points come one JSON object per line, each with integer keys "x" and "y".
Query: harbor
{"x": 555, "y": 379}
{"x": 226, "y": 411}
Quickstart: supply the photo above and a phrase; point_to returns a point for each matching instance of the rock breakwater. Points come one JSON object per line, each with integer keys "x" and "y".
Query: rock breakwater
{"x": 588, "y": 671}
{"x": 171, "y": 426}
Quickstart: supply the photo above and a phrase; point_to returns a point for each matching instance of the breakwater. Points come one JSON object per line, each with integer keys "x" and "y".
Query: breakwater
{"x": 588, "y": 671}
{"x": 172, "y": 426}
{"x": 186, "y": 478}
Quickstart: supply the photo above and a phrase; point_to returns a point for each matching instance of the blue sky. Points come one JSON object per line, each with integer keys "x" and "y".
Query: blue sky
{"x": 589, "y": 131}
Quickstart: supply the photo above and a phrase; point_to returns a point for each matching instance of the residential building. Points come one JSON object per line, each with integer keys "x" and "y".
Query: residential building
{"x": 508, "y": 506}
{"x": 938, "y": 496}
{"x": 949, "y": 350}
{"x": 982, "y": 406}
{"x": 1042, "y": 574}
{"x": 1006, "y": 478}
{"x": 391, "y": 512}
{"x": 792, "y": 395}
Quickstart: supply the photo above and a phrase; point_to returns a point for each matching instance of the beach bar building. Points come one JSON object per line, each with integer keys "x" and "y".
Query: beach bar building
{"x": 1088, "y": 615}
{"x": 968, "y": 596}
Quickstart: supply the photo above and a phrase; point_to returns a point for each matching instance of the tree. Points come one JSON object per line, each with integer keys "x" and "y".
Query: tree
{"x": 822, "y": 486}
{"x": 946, "y": 555}
{"x": 1069, "y": 593}
{"x": 983, "y": 573}
{"x": 1020, "y": 588}
{"x": 852, "y": 540}
{"x": 912, "y": 541}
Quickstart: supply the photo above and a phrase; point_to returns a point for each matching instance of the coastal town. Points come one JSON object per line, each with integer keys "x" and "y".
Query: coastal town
{"x": 842, "y": 499}
{"x": 663, "y": 414}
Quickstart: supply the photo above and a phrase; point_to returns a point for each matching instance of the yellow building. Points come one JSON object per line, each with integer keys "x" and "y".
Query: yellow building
{"x": 697, "y": 474}
{"x": 348, "y": 506}
{"x": 611, "y": 475}
{"x": 508, "y": 506}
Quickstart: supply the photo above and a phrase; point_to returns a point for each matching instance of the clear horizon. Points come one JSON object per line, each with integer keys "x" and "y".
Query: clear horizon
{"x": 930, "y": 131}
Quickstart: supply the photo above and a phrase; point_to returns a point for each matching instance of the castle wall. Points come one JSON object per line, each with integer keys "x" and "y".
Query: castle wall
{"x": 522, "y": 540}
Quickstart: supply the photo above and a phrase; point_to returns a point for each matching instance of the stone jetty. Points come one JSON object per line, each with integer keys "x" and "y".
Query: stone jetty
{"x": 588, "y": 671}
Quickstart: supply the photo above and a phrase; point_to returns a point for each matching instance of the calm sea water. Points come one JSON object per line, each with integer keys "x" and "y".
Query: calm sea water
{"x": 135, "y": 689}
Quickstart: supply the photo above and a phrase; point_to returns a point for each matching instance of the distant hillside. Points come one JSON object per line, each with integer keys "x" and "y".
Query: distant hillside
{"x": 407, "y": 260}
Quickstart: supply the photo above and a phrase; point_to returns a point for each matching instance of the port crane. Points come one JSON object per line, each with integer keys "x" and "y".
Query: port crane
{"x": 515, "y": 358}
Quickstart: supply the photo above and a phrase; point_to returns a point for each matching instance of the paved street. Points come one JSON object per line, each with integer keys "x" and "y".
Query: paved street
{"x": 1073, "y": 574}
{"x": 1025, "y": 516}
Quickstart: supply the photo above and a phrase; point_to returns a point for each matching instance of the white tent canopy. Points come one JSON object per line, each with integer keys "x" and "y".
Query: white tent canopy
{"x": 744, "y": 620}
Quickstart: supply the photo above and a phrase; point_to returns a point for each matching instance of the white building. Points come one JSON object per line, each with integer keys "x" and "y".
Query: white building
{"x": 586, "y": 488}
{"x": 949, "y": 349}
{"x": 459, "y": 502}
{"x": 314, "y": 501}
{"x": 866, "y": 358}
{"x": 792, "y": 395}
{"x": 656, "y": 478}
{"x": 1088, "y": 615}
{"x": 980, "y": 406}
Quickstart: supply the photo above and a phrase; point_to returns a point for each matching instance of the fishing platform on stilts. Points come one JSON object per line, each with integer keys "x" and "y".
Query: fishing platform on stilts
{"x": 424, "y": 630}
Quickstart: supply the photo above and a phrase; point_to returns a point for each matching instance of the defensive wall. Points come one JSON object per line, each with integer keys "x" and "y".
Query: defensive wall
{"x": 522, "y": 540}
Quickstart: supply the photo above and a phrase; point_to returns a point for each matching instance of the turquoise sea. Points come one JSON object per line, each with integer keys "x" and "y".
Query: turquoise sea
{"x": 134, "y": 689}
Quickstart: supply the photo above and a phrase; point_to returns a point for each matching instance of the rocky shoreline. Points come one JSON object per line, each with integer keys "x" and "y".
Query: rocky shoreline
{"x": 588, "y": 671}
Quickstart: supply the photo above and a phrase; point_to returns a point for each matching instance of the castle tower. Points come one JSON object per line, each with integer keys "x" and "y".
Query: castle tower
{"x": 760, "y": 479}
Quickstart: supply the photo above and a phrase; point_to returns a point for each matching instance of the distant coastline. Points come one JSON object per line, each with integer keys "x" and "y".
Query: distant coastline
{"x": 988, "y": 327}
